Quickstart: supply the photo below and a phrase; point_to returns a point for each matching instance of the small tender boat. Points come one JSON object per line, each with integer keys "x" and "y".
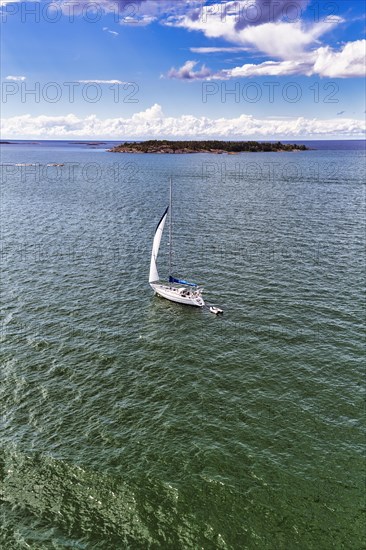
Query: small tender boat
{"x": 216, "y": 310}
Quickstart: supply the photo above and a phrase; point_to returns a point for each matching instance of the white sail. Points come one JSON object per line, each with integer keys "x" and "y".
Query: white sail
{"x": 154, "y": 275}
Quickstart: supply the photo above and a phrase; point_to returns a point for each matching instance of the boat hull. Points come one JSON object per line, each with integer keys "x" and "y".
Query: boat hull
{"x": 174, "y": 295}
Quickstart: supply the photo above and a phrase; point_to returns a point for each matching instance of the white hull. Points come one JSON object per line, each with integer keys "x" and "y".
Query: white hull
{"x": 192, "y": 298}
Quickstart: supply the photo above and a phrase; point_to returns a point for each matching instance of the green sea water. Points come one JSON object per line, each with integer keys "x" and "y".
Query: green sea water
{"x": 128, "y": 421}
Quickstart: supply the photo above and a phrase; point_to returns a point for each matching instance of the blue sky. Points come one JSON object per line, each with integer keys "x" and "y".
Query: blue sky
{"x": 262, "y": 69}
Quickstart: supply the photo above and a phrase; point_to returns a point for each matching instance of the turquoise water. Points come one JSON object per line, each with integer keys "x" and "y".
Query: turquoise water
{"x": 131, "y": 422}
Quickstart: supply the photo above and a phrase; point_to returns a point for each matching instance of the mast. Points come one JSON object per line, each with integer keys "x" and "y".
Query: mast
{"x": 170, "y": 228}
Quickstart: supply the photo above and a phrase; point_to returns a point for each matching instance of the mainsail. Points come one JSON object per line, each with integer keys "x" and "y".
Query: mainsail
{"x": 154, "y": 275}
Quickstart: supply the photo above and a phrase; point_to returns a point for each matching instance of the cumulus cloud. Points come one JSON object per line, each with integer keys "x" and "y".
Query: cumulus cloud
{"x": 153, "y": 123}
{"x": 154, "y": 113}
{"x": 294, "y": 47}
{"x": 268, "y": 68}
{"x": 139, "y": 20}
{"x": 187, "y": 72}
{"x": 347, "y": 62}
{"x": 280, "y": 39}
{"x": 275, "y": 28}
{"x": 285, "y": 40}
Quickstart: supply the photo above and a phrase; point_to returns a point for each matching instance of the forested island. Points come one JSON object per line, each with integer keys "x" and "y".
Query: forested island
{"x": 218, "y": 147}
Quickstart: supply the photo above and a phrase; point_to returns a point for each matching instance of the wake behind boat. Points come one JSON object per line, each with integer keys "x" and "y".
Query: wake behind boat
{"x": 175, "y": 290}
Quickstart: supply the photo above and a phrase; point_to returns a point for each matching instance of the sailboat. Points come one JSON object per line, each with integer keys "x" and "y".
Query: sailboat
{"x": 175, "y": 290}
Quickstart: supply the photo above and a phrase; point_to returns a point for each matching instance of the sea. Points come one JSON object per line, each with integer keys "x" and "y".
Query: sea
{"x": 130, "y": 422}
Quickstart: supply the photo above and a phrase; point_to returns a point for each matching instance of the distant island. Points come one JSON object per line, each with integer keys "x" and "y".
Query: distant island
{"x": 218, "y": 147}
{"x": 91, "y": 144}
{"x": 25, "y": 142}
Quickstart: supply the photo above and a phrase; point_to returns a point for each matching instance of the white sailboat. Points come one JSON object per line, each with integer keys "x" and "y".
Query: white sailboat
{"x": 176, "y": 290}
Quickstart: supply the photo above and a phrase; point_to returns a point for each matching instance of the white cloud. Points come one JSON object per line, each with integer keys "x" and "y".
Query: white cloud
{"x": 138, "y": 20}
{"x": 96, "y": 81}
{"x": 154, "y": 113}
{"x": 279, "y": 39}
{"x": 229, "y": 49}
{"x": 152, "y": 123}
{"x": 268, "y": 68}
{"x": 5, "y": 2}
{"x": 284, "y": 40}
{"x": 348, "y": 62}
{"x": 257, "y": 25}
{"x": 294, "y": 47}
{"x": 187, "y": 72}
{"x": 114, "y": 33}
{"x": 16, "y": 78}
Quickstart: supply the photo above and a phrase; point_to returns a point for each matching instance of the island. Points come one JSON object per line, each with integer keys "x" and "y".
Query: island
{"x": 217, "y": 147}
{"x": 90, "y": 143}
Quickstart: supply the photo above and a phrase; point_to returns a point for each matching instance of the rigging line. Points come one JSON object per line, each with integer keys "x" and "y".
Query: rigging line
{"x": 170, "y": 228}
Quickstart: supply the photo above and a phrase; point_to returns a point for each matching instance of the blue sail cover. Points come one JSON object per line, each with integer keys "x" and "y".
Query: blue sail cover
{"x": 180, "y": 281}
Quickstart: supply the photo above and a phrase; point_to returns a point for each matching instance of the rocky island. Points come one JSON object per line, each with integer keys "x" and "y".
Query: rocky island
{"x": 218, "y": 147}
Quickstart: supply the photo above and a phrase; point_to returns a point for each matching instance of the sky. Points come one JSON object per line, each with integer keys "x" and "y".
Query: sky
{"x": 183, "y": 69}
